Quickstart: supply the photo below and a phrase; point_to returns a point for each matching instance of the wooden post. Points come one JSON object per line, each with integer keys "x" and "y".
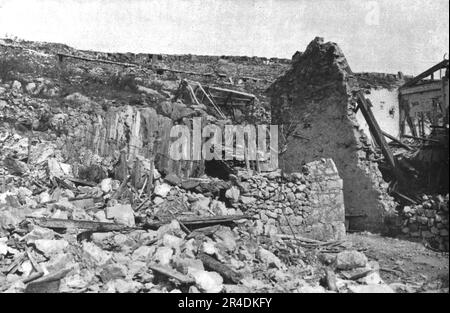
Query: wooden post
{"x": 378, "y": 134}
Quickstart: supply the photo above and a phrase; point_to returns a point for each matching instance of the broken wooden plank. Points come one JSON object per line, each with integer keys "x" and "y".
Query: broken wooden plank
{"x": 73, "y": 199}
{"x": 219, "y": 111}
{"x": 33, "y": 277}
{"x": 204, "y": 231}
{"x": 122, "y": 188}
{"x": 13, "y": 266}
{"x": 425, "y": 74}
{"x": 228, "y": 274}
{"x": 81, "y": 182}
{"x": 166, "y": 271}
{"x": 208, "y": 220}
{"x": 47, "y": 284}
{"x": 240, "y": 93}
{"x": 59, "y": 223}
{"x": 401, "y": 144}
{"x": 402, "y": 196}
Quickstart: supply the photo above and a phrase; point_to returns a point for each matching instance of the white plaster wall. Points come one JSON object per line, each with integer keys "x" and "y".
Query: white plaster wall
{"x": 382, "y": 101}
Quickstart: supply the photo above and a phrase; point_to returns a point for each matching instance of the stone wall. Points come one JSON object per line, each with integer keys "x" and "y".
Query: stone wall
{"x": 314, "y": 105}
{"x": 427, "y": 221}
{"x": 311, "y": 202}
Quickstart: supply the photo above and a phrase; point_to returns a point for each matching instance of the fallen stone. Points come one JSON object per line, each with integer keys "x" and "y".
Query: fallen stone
{"x": 101, "y": 216}
{"x": 233, "y": 194}
{"x": 201, "y": 205}
{"x": 269, "y": 258}
{"x": 172, "y": 179}
{"x": 123, "y": 286}
{"x": 371, "y": 279}
{"x": 347, "y": 260}
{"x": 172, "y": 228}
{"x": 38, "y": 233}
{"x": 247, "y": 200}
{"x": 51, "y": 246}
{"x": 30, "y": 87}
{"x": 121, "y": 213}
{"x": 143, "y": 253}
{"x": 16, "y": 85}
{"x": 172, "y": 241}
{"x": 184, "y": 264}
{"x": 158, "y": 200}
{"x": 58, "y": 169}
{"x": 113, "y": 271}
{"x": 163, "y": 255}
{"x": 95, "y": 254}
{"x": 210, "y": 282}
{"x": 226, "y": 237}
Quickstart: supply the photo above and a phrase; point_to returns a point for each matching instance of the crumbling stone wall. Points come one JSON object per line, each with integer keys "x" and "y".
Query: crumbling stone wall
{"x": 314, "y": 106}
{"x": 427, "y": 221}
{"x": 310, "y": 201}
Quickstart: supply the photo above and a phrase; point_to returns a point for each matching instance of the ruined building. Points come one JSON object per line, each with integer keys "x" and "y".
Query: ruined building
{"x": 314, "y": 105}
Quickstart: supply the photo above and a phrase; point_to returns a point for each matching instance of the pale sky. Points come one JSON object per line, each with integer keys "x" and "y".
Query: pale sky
{"x": 375, "y": 35}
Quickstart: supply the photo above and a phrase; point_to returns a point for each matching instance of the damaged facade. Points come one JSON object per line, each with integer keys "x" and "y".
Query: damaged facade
{"x": 315, "y": 105}
{"x": 86, "y": 171}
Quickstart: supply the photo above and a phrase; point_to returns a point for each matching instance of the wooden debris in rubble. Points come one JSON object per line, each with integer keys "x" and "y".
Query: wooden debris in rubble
{"x": 212, "y": 264}
{"x": 167, "y": 271}
{"x": 57, "y": 223}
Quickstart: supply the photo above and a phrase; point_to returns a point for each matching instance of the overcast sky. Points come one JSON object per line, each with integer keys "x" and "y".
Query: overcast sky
{"x": 375, "y": 35}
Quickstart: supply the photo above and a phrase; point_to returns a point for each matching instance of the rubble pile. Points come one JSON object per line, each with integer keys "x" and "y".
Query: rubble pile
{"x": 62, "y": 234}
{"x": 90, "y": 201}
{"x": 314, "y": 105}
{"x": 427, "y": 221}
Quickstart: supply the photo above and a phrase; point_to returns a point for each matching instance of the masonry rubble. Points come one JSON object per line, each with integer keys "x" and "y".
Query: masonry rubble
{"x": 315, "y": 104}
{"x": 89, "y": 200}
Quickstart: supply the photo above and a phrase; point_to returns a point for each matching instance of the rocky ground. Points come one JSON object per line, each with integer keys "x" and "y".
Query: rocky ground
{"x": 60, "y": 233}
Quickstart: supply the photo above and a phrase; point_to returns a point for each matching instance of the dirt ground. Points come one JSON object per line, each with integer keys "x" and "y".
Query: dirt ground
{"x": 405, "y": 265}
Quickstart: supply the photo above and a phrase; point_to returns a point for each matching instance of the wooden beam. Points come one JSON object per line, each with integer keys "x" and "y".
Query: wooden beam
{"x": 425, "y": 74}
{"x": 421, "y": 138}
{"x": 377, "y": 134}
{"x": 219, "y": 111}
{"x": 240, "y": 93}
{"x": 397, "y": 141}
{"x": 61, "y": 56}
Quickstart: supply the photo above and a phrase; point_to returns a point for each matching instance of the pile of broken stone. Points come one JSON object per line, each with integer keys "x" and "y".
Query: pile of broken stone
{"x": 428, "y": 221}
{"x": 61, "y": 234}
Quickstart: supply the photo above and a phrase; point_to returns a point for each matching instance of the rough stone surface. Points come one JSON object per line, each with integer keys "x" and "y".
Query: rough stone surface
{"x": 313, "y": 102}
{"x": 373, "y": 288}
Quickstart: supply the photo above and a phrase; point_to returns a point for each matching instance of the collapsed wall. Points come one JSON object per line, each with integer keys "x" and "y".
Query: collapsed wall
{"x": 314, "y": 106}
{"x": 427, "y": 221}
{"x": 309, "y": 203}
